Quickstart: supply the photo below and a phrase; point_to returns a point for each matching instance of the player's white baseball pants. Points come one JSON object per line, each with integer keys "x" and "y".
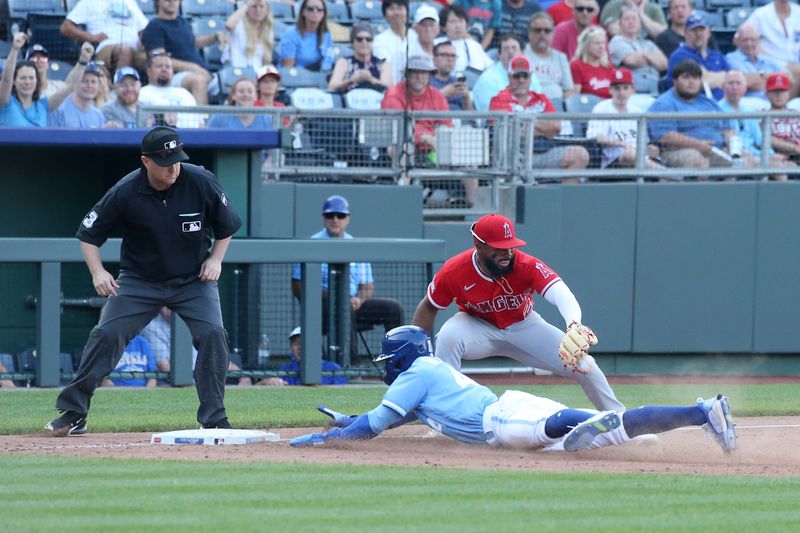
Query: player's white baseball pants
{"x": 517, "y": 420}
{"x": 532, "y": 342}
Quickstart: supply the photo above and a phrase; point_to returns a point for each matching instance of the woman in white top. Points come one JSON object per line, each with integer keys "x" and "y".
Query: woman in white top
{"x": 251, "y": 41}
{"x": 469, "y": 52}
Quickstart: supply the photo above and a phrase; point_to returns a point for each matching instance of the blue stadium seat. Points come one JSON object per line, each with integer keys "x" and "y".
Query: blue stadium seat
{"x": 581, "y": 103}
{"x": 366, "y": 10}
{"x": 148, "y": 7}
{"x": 44, "y": 29}
{"x": 281, "y": 10}
{"x": 558, "y": 103}
{"x": 58, "y": 70}
{"x": 14, "y": 13}
{"x": 714, "y": 19}
{"x": 472, "y": 76}
{"x": 203, "y": 8}
{"x": 724, "y": 5}
{"x": 228, "y": 75}
{"x": 206, "y": 26}
{"x": 339, "y": 12}
{"x": 278, "y": 28}
{"x": 737, "y": 16}
{"x": 293, "y": 77}
{"x": 342, "y": 50}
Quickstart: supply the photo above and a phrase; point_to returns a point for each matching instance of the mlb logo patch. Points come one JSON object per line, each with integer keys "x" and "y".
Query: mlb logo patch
{"x": 88, "y": 222}
{"x": 189, "y": 227}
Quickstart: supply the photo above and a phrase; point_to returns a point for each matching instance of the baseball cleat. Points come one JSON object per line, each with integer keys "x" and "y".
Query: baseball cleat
{"x": 582, "y": 435}
{"x": 719, "y": 421}
{"x": 69, "y": 423}
{"x": 222, "y": 423}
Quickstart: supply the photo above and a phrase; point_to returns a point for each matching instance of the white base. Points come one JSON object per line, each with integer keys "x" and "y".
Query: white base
{"x": 212, "y": 437}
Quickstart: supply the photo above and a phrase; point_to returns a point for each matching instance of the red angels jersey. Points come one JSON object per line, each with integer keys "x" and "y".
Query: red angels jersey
{"x": 500, "y": 302}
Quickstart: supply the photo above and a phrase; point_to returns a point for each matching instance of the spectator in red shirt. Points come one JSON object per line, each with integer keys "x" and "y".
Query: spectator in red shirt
{"x": 565, "y": 34}
{"x": 421, "y": 96}
{"x": 591, "y": 70}
{"x": 518, "y": 98}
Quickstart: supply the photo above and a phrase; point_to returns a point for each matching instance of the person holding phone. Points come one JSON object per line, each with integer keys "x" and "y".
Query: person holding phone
{"x": 452, "y": 84}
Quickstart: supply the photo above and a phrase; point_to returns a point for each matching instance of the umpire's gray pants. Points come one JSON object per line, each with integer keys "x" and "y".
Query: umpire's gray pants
{"x": 138, "y": 300}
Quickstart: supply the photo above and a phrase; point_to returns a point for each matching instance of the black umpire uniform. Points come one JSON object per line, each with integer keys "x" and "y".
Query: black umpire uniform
{"x": 166, "y": 240}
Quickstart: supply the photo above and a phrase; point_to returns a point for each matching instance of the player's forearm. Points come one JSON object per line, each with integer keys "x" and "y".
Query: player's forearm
{"x": 561, "y": 296}
{"x": 425, "y": 315}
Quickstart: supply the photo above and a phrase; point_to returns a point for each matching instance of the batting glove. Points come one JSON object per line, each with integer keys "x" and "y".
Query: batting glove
{"x": 338, "y": 419}
{"x": 574, "y": 348}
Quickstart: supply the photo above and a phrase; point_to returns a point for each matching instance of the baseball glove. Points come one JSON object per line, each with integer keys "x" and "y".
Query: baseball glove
{"x": 574, "y": 348}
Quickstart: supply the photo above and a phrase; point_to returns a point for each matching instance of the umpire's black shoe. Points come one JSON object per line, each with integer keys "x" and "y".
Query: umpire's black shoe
{"x": 69, "y": 423}
{"x": 222, "y": 423}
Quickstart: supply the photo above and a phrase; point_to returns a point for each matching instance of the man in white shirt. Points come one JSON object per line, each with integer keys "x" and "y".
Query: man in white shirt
{"x": 114, "y": 26}
{"x": 618, "y": 137}
{"x": 160, "y": 92}
{"x": 392, "y": 44}
{"x": 469, "y": 52}
{"x": 779, "y": 25}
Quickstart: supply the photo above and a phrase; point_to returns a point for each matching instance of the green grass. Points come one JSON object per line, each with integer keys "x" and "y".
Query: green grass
{"x": 41, "y": 493}
{"x": 125, "y": 410}
{"x": 59, "y": 494}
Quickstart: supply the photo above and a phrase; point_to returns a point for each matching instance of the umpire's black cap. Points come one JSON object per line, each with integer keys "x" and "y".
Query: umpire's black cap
{"x": 163, "y": 145}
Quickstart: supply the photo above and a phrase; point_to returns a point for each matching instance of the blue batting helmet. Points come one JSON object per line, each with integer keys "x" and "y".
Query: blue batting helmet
{"x": 400, "y": 348}
{"x": 336, "y": 204}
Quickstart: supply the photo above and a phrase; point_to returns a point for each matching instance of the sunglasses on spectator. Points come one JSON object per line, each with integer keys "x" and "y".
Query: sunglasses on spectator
{"x": 363, "y": 39}
{"x": 448, "y": 56}
{"x": 331, "y": 216}
{"x": 521, "y": 75}
{"x": 542, "y": 30}
{"x": 317, "y": 9}
{"x": 584, "y": 9}
{"x": 166, "y": 152}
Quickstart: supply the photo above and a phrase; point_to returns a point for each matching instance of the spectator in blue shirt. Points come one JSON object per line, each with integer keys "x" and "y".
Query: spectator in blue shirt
{"x": 713, "y": 63}
{"x": 308, "y": 43}
{"x": 242, "y": 94}
{"x": 295, "y": 344}
{"x": 137, "y": 357}
{"x": 453, "y": 85}
{"x": 688, "y": 143}
{"x": 172, "y": 34}
{"x": 79, "y": 111}
{"x": 748, "y": 59}
{"x": 21, "y": 103}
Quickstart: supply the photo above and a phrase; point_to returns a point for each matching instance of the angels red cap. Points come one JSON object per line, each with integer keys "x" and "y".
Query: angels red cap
{"x": 496, "y": 231}
{"x": 519, "y": 64}
{"x": 778, "y": 82}
{"x": 621, "y": 76}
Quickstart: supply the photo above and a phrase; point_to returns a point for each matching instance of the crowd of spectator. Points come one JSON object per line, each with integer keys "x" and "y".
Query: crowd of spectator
{"x": 461, "y": 51}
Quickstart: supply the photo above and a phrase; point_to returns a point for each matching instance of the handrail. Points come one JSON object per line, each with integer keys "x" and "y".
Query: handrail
{"x": 49, "y": 253}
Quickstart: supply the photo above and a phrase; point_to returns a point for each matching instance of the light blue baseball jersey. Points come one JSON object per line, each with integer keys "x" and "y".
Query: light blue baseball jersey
{"x": 443, "y": 398}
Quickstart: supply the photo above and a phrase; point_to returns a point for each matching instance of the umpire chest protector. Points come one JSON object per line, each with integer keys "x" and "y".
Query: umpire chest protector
{"x": 165, "y": 234}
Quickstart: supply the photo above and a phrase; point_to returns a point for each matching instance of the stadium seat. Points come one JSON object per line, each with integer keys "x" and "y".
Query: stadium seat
{"x": 737, "y": 16}
{"x": 14, "y": 13}
{"x": 281, "y": 10}
{"x": 278, "y": 28}
{"x": 58, "y": 70}
{"x": 293, "y": 77}
{"x": 310, "y": 98}
{"x": 725, "y": 5}
{"x": 642, "y": 101}
{"x": 339, "y": 12}
{"x": 342, "y": 50}
{"x": 368, "y": 10}
{"x": 148, "y": 7}
{"x": 645, "y": 84}
{"x": 472, "y": 76}
{"x": 365, "y": 99}
{"x": 794, "y": 104}
{"x": 581, "y": 103}
{"x": 44, "y": 29}
{"x": 558, "y": 103}
{"x": 715, "y": 19}
{"x": 204, "y": 8}
{"x": 206, "y": 26}
{"x": 8, "y": 362}
{"x": 229, "y": 74}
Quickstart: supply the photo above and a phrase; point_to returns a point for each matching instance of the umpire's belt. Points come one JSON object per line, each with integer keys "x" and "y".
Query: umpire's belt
{"x": 488, "y": 425}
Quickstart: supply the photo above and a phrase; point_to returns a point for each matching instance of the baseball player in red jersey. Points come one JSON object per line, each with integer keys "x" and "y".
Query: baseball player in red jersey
{"x": 493, "y": 285}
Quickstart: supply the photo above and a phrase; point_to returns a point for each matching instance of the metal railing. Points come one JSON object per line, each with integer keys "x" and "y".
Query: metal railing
{"x": 49, "y": 254}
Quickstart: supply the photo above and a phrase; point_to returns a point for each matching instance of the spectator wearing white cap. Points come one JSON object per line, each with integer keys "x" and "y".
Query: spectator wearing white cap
{"x": 121, "y": 112}
{"x": 268, "y": 85}
{"x": 37, "y": 54}
{"x": 495, "y": 78}
{"x": 518, "y": 98}
{"x": 295, "y": 345}
{"x": 425, "y": 30}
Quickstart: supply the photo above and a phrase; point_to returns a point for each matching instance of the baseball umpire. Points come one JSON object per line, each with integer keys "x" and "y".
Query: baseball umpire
{"x": 167, "y": 210}
{"x": 493, "y": 285}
